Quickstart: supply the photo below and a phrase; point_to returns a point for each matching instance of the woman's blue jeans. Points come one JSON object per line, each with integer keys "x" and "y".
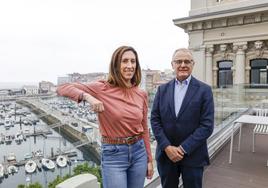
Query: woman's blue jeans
{"x": 124, "y": 166}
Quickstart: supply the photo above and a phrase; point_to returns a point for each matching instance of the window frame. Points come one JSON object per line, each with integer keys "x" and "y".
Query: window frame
{"x": 256, "y": 67}
{"x": 226, "y": 85}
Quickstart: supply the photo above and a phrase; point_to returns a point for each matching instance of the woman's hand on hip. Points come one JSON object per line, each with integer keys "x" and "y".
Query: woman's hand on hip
{"x": 150, "y": 170}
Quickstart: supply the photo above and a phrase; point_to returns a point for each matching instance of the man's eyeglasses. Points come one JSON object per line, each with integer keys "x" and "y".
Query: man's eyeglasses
{"x": 186, "y": 62}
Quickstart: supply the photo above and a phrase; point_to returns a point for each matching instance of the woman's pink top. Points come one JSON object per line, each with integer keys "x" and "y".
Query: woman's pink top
{"x": 125, "y": 110}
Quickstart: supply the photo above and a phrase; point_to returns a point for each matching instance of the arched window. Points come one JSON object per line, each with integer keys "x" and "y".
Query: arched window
{"x": 225, "y": 73}
{"x": 258, "y": 72}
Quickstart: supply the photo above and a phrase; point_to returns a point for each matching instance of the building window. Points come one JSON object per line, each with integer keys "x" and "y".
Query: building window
{"x": 225, "y": 73}
{"x": 258, "y": 73}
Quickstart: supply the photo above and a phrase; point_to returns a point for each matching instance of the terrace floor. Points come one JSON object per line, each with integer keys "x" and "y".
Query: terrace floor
{"x": 248, "y": 170}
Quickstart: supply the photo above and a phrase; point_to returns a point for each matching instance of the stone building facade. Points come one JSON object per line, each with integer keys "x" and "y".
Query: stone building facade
{"x": 229, "y": 41}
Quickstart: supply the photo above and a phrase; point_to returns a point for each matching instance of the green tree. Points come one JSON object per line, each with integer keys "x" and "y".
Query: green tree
{"x": 34, "y": 185}
{"x": 85, "y": 168}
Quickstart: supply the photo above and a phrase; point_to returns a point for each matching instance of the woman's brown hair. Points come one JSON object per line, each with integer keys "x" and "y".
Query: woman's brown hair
{"x": 114, "y": 77}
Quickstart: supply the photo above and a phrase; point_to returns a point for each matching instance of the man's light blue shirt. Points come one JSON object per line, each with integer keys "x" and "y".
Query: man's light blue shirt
{"x": 180, "y": 90}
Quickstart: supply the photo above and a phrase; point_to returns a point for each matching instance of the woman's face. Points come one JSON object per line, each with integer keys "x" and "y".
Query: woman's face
{"x": 128, "y": 66}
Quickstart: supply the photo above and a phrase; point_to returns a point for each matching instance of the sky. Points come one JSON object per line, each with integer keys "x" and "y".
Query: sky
{"x": 45, "y": 39}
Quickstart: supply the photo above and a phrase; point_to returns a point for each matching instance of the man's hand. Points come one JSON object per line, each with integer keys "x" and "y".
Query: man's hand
{"x": 150, "y": 170}
{"x": 175, "y": 154}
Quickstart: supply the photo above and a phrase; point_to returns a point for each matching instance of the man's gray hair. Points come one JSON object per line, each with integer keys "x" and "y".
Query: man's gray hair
{"x": 182, "y": 50}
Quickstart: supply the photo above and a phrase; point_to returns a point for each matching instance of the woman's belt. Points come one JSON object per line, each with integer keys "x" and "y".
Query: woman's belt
{"x": 121, "y": 140}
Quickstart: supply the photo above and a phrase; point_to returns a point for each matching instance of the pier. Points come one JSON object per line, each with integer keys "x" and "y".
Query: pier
{"x": 43, "y": 133}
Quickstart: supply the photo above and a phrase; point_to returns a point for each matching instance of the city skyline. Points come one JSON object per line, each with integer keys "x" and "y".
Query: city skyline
{"x": 45, "y": 40}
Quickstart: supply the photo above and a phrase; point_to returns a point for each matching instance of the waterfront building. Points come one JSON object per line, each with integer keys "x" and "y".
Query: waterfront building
{"x": 149, "y": 77}
{"x": 30, "y": 90}
{"x": 4, "y": 92}
{"x": 167, "y": 74}
{"x": 45, "y": 87}
{"x": 15, "y": 92}
{"x": 88, "y": 77}
{"x": 83, "y": 78}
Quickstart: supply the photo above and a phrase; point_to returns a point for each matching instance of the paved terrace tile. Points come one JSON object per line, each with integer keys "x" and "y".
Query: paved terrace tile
{"x": 248, "y": 170}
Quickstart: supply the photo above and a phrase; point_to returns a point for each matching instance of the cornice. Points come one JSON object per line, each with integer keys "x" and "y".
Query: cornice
{"x": 227, "y": 18}
{"x": 222, "y": 13}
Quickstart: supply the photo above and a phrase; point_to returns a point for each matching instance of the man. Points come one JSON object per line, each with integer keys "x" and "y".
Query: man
{"x": 182, "y": 119}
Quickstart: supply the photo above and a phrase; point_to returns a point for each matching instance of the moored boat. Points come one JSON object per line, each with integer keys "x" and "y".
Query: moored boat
{"x": 12, "y": 169}
{"x": 27, "y": 156}
{"x": 8, "y": 139}
{"x": 61, "y": 161}
{"x": 7, "y": 124}
{"x": 18, "y": 138}
{"x": 30, "y": 166}
{"x": 38, "y": 153}
{"x": 48, "y": 164}
{"x": 11, "y": 157}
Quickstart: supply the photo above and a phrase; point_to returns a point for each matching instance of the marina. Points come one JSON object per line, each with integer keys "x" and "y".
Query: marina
{"x": 31, "y": 150}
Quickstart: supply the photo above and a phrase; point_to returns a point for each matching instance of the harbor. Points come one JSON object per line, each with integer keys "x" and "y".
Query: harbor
{"x": 35, "y": 148}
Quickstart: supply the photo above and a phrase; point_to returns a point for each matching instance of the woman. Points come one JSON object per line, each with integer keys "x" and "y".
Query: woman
{"x": 122, "y": 112}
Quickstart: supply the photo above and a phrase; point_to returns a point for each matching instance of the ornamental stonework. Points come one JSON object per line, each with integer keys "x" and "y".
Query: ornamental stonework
{"x": 256, "y": 49}
{"x": 222, "y": 52}
{"x": 228, "y": 21}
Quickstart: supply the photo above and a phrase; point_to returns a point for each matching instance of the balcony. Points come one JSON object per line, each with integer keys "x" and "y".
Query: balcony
{"x": 248, "y": 169}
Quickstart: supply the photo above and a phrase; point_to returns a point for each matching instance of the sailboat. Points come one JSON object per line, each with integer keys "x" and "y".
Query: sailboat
{"x": 18, "y": 138}
{"x": 7, "y": 123}
{"x": 48, "y": 164}
{"x": 30, "y": 166}
{"x": 12, "y": 169}
{"x": 38, "y": 153}
{"x": 61, "y": 161}
{"x": 11, "y": 157}
{"x": 8, "y": 139}
{"x": 28, "y": 156}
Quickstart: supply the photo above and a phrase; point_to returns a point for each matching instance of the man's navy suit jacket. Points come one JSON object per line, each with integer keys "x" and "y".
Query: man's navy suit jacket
{"x": 190, "y": 128}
